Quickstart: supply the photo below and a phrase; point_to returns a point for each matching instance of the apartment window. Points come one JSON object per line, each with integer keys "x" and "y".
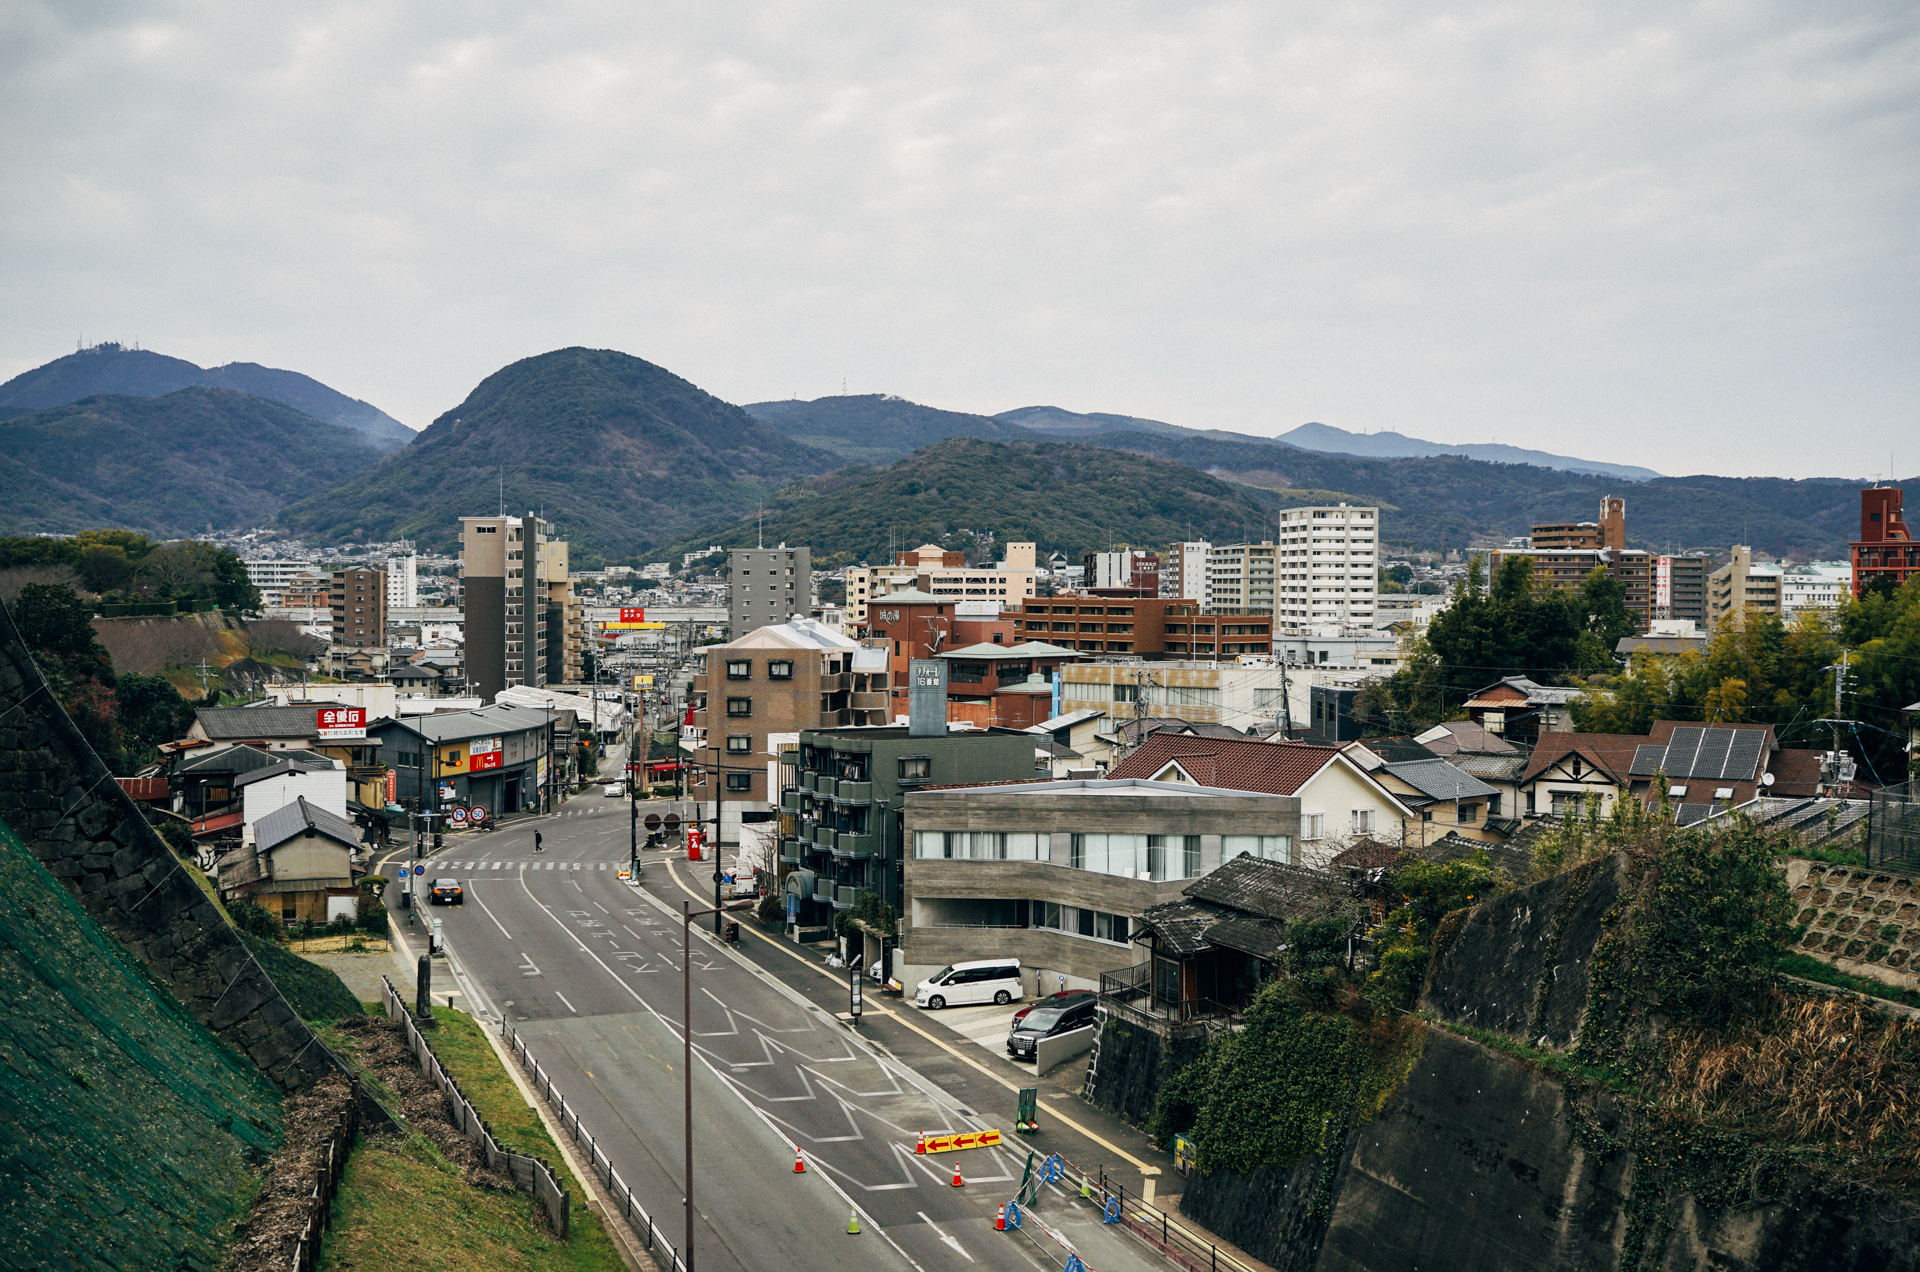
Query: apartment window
{"x": 740, "y": 744}
{"x": 916, "y": 768}
{"x": 780, "y": 669}
{"x": 738, "y": 707}
{"x": 739, "y": 669}
{"x": 739, "y": 782}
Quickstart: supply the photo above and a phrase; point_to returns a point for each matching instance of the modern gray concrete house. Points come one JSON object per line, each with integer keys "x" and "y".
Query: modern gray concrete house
{"x": 1058, "y": 873}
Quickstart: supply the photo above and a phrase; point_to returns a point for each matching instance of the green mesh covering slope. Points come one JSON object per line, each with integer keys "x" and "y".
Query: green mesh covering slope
{"x": 130, "y": 1137}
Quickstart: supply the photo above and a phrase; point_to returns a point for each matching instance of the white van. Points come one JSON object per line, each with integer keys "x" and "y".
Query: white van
{"x": 987, "y": 980}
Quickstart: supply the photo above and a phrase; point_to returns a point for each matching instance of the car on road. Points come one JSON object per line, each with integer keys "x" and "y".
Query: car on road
{"x": 612, "y": 790}
{"x": 1065, "y": 998}
{"x": 447, "y": 892}
{"x": 987, "y": 980}
{"x": 1048, "y": 1021}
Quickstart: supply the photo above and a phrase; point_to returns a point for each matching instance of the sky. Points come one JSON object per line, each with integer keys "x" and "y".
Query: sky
{"x": 1679, "y": 235}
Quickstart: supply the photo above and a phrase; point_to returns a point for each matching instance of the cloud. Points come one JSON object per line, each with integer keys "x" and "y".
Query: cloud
{"x": 1675, "y": 235}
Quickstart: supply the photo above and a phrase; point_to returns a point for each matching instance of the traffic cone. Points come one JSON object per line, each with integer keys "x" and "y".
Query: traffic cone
{"x": 1000, "y": 1219}
{"x": 853, "y": 1222}
{"x": 957, "y": 1181}
{"x": 799, "y": 1163}
{"x": 920, "y": 1145}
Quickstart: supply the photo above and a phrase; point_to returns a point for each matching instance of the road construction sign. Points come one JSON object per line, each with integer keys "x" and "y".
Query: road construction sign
{"x": 971, "y": 1139}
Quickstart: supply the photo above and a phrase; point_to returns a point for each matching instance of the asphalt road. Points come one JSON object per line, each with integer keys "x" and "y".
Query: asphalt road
{"x": 588, "y": 971}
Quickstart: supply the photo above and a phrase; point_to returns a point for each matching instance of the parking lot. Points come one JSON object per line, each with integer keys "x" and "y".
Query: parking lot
{"x": 985, "y": 1026}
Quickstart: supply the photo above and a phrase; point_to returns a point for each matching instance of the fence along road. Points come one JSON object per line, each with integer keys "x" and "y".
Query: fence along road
{"x": 587, "y": 972}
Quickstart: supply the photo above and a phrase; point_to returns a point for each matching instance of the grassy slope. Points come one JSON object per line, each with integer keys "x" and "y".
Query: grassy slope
{"x": 391, "y": 1186}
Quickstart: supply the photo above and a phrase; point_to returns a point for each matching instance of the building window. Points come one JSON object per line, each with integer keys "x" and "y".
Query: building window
{"x": 739, "y": 744}
{"x": 739, "y": 782}
{"x": 739, "y": 669}
{"x": 738, "y": 707}
{"x": 1265, "y": 847}
{"x": 780, "y": 669}
{"x": 1363, "y": 821}
{"x": 1313, "y": 825}
{"x": 915, "y": 768}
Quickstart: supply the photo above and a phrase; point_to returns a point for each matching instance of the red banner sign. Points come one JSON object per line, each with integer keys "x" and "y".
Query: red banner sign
{"x": 482, "y": 762}
{"x": 633, "y": 614}
{"x": 393, "y": 786}
{"x": 340, "y": 722}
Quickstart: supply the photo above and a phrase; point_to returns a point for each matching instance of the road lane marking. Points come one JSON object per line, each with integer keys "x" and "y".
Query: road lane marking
{"x": 873, "y": 1008}
{"x": 496, "y": 918}
{"x": 944, "y": 1237}
{"x": 563, "y": 998}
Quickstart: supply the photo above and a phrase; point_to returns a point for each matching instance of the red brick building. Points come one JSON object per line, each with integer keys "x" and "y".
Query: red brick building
{"x": 1885, "y": 552}
{"x": 1145, "y": 627}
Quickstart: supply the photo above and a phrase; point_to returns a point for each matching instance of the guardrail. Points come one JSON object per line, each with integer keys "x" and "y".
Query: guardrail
{"x": 528, "y": 1173}
{"x": 638, "y": 1221}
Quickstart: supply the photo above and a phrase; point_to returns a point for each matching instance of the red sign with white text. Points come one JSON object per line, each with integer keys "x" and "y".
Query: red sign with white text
{"x": 633, "y": 614}
{"x": 340, "y": 722}
{"x": 482, "y": 762}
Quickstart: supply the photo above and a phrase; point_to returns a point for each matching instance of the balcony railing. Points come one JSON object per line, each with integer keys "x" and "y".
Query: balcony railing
{"x": 791, "y": 851}
{"x": 823, "y": 890}
{"x": 853, "y": 845}
{"x": 851, "y": 792}
{"x": 844, "y": 897}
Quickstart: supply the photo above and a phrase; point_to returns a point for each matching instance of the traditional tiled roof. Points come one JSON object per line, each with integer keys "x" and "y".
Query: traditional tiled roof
{"x": 236, "y": 724}
{"x": 1490, "y": 768}
{"x": 1246, "y": 905}
{"x": 1513, "y": 858}
{"x": 1398, "y": 750}
{"x": 283, "y": 768}
{"x": 298, "y": 818}
{"x": 242, "y": 759}
{"x": 1453, "y": 736}
{"x": 1275, "y": 768}
{"x": 1368, "y": 854}
{"x": 1611, "y": 753}
{"x": 1439, "y": 780}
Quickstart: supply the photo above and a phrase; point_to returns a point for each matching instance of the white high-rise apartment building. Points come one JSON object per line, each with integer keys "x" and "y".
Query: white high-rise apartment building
{"x": 1328, "y": 565}
{"x": 403, "y": 581}
{"x": 1183, "y": 570}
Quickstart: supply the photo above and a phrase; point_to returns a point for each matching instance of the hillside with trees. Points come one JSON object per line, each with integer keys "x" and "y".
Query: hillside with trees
{"x": 620, "y": 453}
{"x": 1065, "y": 497}
{"x": 193, "y": 460}
{"x": 876, "y": 428}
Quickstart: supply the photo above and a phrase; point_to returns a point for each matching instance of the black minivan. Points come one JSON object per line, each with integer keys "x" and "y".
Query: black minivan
{"x": 1048, "y": 1022}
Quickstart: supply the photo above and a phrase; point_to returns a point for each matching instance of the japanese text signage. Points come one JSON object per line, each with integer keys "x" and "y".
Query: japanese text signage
{"x": 333, "y": 723}
{"x": 483, "y": 754}
{"x": 633, "y": 614}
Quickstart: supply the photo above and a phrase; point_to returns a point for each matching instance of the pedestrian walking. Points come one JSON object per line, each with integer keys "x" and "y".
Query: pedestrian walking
{"x": 537, "y": 845}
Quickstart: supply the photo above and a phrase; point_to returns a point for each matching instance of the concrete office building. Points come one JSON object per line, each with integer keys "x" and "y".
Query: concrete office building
{"x": 1058, "y": 873}
{"x": 521, "y": 622}
{"x": 271, "y": 576}
{"x": 1680, "y": 587}
{"x": 403, "y": 582}
{"x": 1240, "y": 577}
{"x": 357, "y": 603}
{"x": 1127, "y": 571}
{"x": 767, "y": 586}
{"x": 1327, "y": 565}
{"x": 938, "y": 572}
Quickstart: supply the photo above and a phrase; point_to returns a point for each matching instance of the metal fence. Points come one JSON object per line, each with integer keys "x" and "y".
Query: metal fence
{"x": 1170, "y": 1238}
{"x": 637, "y": 1219}
{"x": 326, "y": 1180}
{"x": 1893, "y": 827}
{"x": 528, "y": 1173}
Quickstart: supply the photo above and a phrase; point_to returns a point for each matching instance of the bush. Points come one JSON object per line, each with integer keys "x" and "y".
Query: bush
{"x": 771, "y": 909}
{"x": 252, "y": 918}
{"x": 370, "y": 914}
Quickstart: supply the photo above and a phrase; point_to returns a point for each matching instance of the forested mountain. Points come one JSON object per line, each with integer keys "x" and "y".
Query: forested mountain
{"x": 1446, "y": 501}
{"x": 875, "y": 428}
{"x": 618, "y": 452}
{"x": 112, "y": 368}
{"x": 1054, "y": 421}
{"x": 183, "y": 463}
{"x": 1066, "y": 497}
{"x": 1389, "y": 445}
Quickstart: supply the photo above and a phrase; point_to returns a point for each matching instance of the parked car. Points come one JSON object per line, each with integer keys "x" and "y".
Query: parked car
{"x": 447, "y": 892}
{"x": 1049, "y": 1021}
{"x": 1065, "y": 998}
{"x": 989, "y": 980}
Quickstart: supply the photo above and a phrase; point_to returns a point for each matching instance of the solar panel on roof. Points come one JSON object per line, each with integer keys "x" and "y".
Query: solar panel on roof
{"x": 1647, "y": 759}
{"x": 1683, "y": 752}
{"x": 1715, "y": 746}
{"x": 1744, "y": 758}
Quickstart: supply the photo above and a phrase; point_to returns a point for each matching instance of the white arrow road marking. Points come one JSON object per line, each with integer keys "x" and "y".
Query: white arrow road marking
{"x": 944, "y": 1237}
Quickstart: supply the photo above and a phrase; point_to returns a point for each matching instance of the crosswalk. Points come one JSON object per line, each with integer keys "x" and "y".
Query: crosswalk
{"x": 529, "y": 865}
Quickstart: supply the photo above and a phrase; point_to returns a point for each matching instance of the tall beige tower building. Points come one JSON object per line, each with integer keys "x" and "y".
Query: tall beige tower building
{"x": 523, "y": 625}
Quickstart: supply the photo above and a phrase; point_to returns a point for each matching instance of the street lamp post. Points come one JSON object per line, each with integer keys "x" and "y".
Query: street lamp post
{"x": 687, "y": 915}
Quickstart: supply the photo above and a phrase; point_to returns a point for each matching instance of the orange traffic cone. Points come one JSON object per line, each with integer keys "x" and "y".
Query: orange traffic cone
{"x": 957, "y": 1181}
{"x": 920, "y": 1145}
{"x": 1000, "y": 1220}
{"x": 799, "y": 1163}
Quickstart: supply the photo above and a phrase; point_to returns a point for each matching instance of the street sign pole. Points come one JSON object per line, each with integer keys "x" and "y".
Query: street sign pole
{"x": 853, "y": 994}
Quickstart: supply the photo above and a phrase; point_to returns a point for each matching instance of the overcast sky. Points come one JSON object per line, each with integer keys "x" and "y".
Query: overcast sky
{"x": 1681, "y": 235}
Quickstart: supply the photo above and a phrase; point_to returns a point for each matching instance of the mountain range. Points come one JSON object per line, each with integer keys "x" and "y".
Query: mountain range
{"x": 116, "y": 369}
{"x": 1389, "y": 445}
{"x": 629, "y": 459}
{"x": 183, "y": 463}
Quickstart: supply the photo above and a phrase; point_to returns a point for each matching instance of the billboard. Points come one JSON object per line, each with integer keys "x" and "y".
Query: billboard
{"x": 483, "y": 754}
{"x": 633, "y": 614}
{"x": 337, "y": 723}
